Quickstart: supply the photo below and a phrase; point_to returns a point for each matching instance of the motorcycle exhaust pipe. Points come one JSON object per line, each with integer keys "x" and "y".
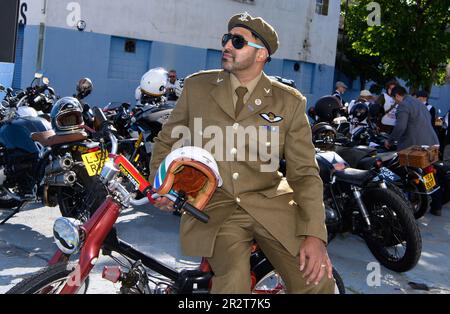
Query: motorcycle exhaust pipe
{"x": 64, "y": 179}
{"x": 59, "y": 165}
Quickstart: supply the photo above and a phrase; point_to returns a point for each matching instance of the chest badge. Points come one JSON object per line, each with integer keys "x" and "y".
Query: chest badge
{"x": 271, "y": 117}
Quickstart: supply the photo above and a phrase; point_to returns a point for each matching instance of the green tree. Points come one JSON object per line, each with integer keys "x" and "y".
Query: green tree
{"x": 412, "y": 40}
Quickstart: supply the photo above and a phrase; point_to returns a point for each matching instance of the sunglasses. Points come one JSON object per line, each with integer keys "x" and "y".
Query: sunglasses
{"x": 238, "y": 41}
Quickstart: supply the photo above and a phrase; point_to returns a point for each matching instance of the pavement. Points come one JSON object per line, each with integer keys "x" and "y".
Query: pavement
{"x": 26, "y": 244}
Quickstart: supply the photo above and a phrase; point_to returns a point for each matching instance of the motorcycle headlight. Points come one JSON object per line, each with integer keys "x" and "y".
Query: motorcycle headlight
{"x": 67, "y": 234}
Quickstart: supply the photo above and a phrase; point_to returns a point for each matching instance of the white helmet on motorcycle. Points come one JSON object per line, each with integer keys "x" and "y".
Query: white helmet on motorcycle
{"x": 191, "y": 170}
{"x": 153, "y": 82}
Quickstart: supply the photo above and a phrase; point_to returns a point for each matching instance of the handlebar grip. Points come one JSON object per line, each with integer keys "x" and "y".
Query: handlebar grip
{"x": 196, "y": 213}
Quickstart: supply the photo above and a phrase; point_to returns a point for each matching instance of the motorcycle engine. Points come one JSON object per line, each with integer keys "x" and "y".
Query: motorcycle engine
{"x": 332, "y": 219}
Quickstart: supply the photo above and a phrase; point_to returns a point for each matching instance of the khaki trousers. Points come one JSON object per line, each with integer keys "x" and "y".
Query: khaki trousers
{"x": 231, "y": 258}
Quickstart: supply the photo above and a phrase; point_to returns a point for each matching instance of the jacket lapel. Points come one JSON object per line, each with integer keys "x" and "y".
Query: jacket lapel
{"x": 260, "y": 98}
{"x": 221, "y": 93}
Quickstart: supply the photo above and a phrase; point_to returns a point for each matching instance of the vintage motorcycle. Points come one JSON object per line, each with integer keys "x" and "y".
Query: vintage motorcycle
{"x": 98, "y": 233}
{"x": 359, "y": 201}
{"x": 37, "y": 164}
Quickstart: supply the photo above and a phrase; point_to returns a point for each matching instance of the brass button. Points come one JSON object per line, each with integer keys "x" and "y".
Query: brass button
{"x": 235, "y": 176}
{"x": 238, "y": 199}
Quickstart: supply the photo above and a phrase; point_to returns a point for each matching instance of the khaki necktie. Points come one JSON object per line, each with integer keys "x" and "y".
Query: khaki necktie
{"x": 240, "y": 92}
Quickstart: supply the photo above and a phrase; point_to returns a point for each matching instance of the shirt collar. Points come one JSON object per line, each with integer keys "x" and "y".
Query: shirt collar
{"x": 235, "y": 83}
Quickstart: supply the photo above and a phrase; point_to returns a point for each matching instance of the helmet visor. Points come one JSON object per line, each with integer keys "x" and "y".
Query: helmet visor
{"x": 69, "y": 120}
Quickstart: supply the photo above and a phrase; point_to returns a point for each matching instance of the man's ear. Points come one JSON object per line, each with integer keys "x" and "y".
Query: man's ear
{"x": 262, "y": 55}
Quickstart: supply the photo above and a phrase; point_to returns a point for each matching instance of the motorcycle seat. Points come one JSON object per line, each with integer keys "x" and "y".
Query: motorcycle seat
{"x": 353, "y": 176}
{"x": 50, "y": 138}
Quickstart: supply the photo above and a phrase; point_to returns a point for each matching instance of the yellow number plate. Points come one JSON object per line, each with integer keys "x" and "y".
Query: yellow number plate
{"x": 429, "y": 181}
{"x": 92, "y": 160}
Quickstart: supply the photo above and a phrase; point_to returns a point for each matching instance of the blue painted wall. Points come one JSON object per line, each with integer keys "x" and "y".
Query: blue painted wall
{"x": 70, "y": 55}
{"x": 6, "y": 74}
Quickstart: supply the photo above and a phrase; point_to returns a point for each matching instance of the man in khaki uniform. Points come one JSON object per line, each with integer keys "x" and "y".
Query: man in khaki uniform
{"x": 285, "y": 216}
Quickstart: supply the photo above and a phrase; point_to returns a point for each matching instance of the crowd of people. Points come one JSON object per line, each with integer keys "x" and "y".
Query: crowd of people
{"x": 409, "y": 119}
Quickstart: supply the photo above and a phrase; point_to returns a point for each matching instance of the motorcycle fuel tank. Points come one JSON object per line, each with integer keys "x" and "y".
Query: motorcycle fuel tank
{"x": 16, "y": 134}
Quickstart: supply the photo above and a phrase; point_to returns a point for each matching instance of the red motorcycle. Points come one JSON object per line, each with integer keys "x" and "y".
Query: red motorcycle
{"x": 136, "y": 275}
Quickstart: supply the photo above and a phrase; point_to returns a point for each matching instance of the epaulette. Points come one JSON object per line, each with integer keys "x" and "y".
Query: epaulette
{"x": 204, "y": 72}
{"x": 293, "y": 91}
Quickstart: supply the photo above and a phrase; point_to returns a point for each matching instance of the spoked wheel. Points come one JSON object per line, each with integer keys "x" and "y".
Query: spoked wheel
{"x": 50, "y": 280}
{"x": 270, "y": 282}
{"x": 394, "y": 238}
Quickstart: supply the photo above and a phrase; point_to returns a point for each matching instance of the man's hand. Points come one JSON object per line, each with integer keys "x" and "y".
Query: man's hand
{"x": 314, "y": 260}
{"x": 164, "y": 204}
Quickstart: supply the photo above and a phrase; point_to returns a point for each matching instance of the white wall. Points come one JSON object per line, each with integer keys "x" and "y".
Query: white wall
{"x": 200, "y": 23}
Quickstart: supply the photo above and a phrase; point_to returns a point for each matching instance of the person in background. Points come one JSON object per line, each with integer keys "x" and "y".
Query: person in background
{"x": 359, "y": 117}
{"x": 173, "y": 86}
{"x": 423, "y": 97}
{"x": 341, "y": 88}
{"x": 412, "y": 122}
{"x": 446, "y": 126}
{"x": 389, "y": 106}
{"x": 413, "y": 127}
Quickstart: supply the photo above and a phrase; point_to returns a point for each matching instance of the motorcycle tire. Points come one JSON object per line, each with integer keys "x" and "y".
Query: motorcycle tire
{"x": 44, "y": 281}
{"x": 421, "y": 203}
{"x": 392, "y": 225}
{"x": 268, "y": 281}
{"x": 397, "y": 190}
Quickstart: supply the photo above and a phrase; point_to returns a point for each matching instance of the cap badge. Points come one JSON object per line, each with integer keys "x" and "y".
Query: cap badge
{"x": 244, "y": 17}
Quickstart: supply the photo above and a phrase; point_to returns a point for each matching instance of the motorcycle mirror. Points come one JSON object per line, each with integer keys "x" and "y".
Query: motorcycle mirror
{"x": 2, "y": 88}
{"x": 38, "y": 75}
{"x": 45, "y": 80}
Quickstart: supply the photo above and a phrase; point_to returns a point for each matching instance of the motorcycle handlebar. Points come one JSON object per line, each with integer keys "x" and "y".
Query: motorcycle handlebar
{"x": 196, "y": 213}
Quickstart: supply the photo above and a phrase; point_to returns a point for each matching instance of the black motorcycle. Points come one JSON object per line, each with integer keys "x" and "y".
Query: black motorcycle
{"x": 418, "y": 185}
{"x": 356, "y": 202}
{"x": 35, "y": 163}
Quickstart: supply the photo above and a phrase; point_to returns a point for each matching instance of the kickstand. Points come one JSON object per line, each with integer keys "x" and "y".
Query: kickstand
{"x": 15, "y": 211}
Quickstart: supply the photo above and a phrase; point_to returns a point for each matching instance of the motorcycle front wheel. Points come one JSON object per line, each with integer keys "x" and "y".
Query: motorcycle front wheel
{"x": 49, "y": 280}
{"x": 394, "y": 238}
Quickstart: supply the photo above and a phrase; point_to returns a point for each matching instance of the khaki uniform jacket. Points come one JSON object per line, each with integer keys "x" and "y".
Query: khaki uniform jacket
{"x": 288, "y": 209}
